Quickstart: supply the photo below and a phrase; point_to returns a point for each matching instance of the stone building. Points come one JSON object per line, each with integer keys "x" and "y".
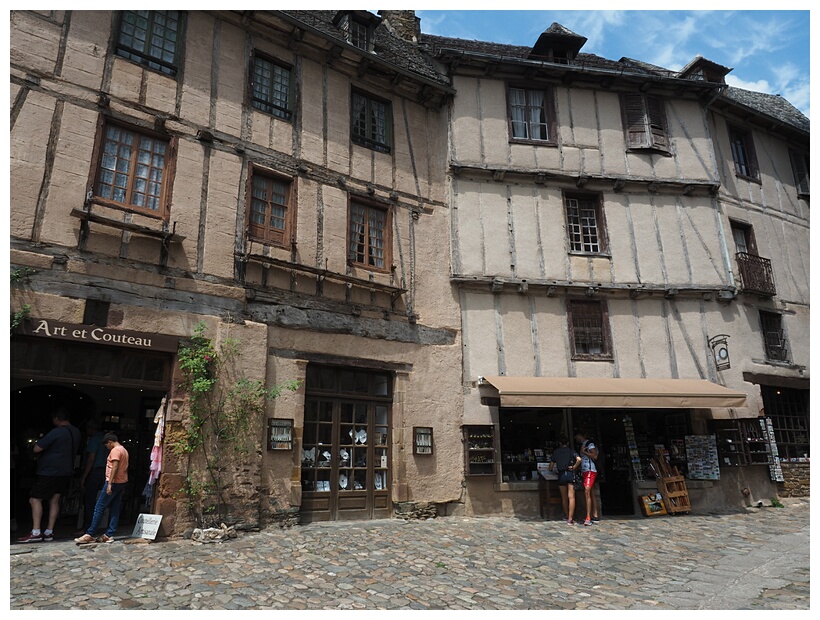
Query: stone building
{"x": 275, "y": 175}
{"x": 626, "y": 268}
{"x": 460, "y": 249}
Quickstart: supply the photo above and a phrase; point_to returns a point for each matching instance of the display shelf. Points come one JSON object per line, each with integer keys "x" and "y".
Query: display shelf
{"x": 479, "y": 442}
{"x": 730, "y": 444}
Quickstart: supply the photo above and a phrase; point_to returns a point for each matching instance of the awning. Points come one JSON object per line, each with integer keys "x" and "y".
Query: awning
{"x": 614, "y": 393}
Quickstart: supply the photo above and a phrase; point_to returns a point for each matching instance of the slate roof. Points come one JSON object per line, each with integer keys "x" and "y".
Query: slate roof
{"x": 433, "y": 44}
{"x": 387, "y": 46}
{"x": 772, "y": 105}
{"x": 419, "y": 59}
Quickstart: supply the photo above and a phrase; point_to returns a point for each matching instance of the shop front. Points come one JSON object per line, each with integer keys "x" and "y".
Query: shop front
{"x": 345, "y": 457}
{"x": 633, "y": 421}
{"x": 115, "y": 377}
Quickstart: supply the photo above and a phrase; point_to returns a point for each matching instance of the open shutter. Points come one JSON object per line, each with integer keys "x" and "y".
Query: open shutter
{"x": 657, "y": 122}
{"x": 388, "y": 126}
{"x": 801, "y": 171}
{"x": 635, "y": 120}
{"x": 750, "y": 149}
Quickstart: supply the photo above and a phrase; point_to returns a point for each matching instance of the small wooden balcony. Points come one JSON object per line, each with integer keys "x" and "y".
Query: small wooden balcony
{"x": 756, "y": 274}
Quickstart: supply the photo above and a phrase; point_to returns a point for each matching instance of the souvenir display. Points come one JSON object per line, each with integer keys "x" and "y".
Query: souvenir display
{"x": 325, "y": 462}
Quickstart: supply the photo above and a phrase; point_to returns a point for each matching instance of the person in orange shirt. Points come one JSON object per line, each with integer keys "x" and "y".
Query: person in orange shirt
{"x": 116, "y": 478}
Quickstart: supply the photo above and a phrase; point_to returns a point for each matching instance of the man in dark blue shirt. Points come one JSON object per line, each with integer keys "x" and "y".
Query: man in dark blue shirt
{"x": 55, "y": 466}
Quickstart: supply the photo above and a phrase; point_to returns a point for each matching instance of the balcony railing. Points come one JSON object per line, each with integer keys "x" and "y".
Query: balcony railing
{"x": 756, "y": 274}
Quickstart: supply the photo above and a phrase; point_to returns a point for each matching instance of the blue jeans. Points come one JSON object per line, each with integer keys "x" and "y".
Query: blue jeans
{"x": 95, "y": 480}
{"x": 113, "y": 502}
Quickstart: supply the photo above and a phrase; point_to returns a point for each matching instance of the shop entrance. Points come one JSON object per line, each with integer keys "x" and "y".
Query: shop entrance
{"x": 526, "y": 433}
{"x": 119, "y": 388}
{"x": 345, "y": 445}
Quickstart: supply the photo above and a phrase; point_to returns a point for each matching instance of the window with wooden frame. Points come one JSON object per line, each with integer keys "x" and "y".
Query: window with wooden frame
{"x": 774, "y": 337}
{"x": 369, "y": 239}
{"x": 371, "y": 122}
{"x": 744, "y": 237}
{"x": 645, "y": 122}
{"x": 585, "y": 223}
{"x": 588, "y": 322}
{"x": 269, "y": 206}
{"x": 531, "y": 113}
{"x": 800, "y": 167}
{"x": 271, "y": 87}
{"x": 151, "y": 39}
{"x": 743, "y": 153}
{"x": 133, "y": 169}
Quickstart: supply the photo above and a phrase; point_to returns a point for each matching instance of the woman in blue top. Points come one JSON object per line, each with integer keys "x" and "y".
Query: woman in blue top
{"x": 566, "y": 461}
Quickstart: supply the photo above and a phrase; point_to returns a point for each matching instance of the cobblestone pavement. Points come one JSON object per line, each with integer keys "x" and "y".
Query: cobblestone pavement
{"x": 756, "y": 559}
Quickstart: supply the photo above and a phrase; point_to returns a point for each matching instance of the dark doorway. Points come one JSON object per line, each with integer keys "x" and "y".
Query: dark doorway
{"x": 119, "y": 388}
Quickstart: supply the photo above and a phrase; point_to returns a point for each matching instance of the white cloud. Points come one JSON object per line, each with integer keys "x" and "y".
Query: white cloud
{"x": 759, "y": 86}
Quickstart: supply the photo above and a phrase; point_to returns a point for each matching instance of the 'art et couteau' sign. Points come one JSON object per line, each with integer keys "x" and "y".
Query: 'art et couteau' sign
{"x": 93, "y": 334}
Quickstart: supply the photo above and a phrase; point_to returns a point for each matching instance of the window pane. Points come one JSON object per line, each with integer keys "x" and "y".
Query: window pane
{"x": 369, "y": 122}
{"x": 268, "y": 209}
{"x": 587, "y": 327}
{"x": 582, "y": 225}
{"x": 271, "y": 88}
{"x": 528, "y": 114}
{"x": 149, "y": 37}
{"x": 139, "y": 185}
{"x": 367, "y": 235}
{"x": 357, "y": 233}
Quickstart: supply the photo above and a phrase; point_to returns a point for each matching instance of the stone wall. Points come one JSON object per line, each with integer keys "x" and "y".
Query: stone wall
{"x": 415, "y": 510}
{"x": 797, "y": 479}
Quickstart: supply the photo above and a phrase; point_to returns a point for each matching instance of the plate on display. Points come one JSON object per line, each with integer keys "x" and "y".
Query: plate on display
{"x": 342, "y": 481}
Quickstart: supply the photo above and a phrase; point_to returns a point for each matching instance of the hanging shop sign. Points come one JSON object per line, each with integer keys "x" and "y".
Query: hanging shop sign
{"x": 720, "y": 349}
{"x": 91, "y": 334}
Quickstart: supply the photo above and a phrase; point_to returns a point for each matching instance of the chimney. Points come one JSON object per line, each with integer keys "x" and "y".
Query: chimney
{"x": 403, "y": 24}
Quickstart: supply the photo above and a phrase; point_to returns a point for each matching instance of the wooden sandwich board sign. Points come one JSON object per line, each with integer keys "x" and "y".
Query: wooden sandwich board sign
{"x": 147, "y": 526}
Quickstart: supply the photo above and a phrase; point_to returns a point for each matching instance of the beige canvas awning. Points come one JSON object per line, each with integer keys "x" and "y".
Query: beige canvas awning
{"x": 614, "y": 393}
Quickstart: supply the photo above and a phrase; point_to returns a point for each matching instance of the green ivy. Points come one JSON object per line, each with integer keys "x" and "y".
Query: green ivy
{"x": 224, "y": 413}
{"x": 18, "y": 277}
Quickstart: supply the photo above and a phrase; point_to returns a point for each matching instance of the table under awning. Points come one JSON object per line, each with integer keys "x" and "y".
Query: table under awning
{"x": 614, "y": 393}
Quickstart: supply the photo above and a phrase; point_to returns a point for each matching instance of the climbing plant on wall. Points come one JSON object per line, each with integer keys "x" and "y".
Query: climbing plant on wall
{"x": 18, "y": 278}
{"x": 225, "y": 414}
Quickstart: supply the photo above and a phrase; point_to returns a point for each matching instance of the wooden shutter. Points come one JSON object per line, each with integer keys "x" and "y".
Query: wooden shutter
{"x": 801, "y": 171}
{"x": 657, "y": 121}
{"x": 635, "y": 120}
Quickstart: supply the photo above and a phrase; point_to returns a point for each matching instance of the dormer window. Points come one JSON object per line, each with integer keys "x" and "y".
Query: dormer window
{"x": 557, "y": 44}
{"x": 358, "y": 35}
{"x": 358, "y": 28}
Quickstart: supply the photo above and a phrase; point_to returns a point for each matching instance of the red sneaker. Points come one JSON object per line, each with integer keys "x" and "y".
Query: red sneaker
{"x": 31, "y": 538}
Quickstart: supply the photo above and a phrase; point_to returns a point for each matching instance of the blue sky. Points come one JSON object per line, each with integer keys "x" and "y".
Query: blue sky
{"x": 768, "y": 50}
